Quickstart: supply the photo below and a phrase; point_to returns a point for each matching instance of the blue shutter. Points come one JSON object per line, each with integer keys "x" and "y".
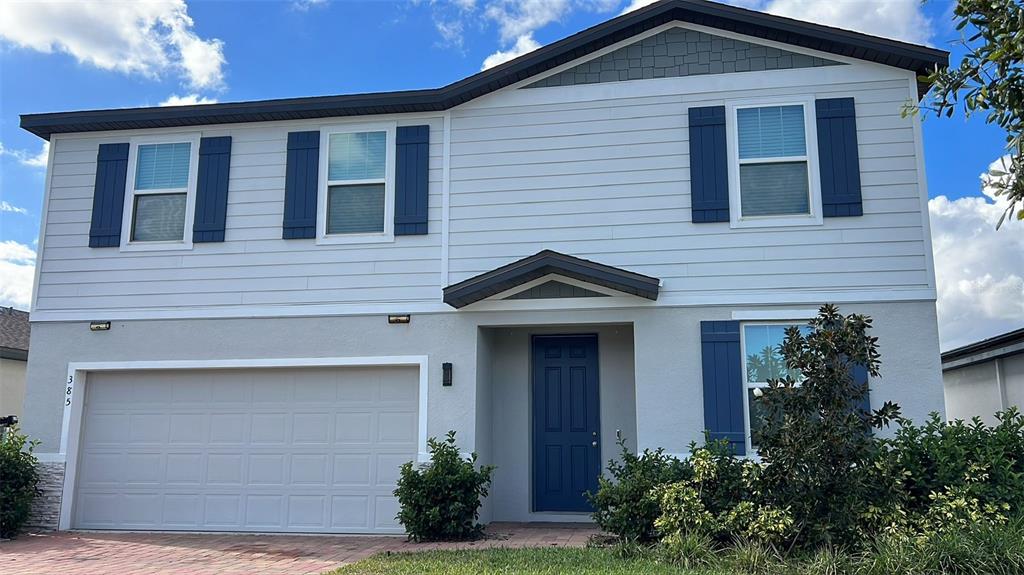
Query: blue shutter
{"x": 860, "y": 377}
{"x": 838, "y": 159}
{"x": 212, "y": 189}
{"x": 721, "y": 367}
{"x": 301, "y": 185}
{"x": 108, "y": 195}
{"x": 411, "y": 189}
{"x": 709, "y": 166}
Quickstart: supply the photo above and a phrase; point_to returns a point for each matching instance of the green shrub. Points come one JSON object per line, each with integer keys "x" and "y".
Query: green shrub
{"x": 18, "y": 480}
{"x": 440, "y": 501}
{"x": 988, "y": 461}
{"x": 720, "y": 502}
{"x": 625, "y": 503}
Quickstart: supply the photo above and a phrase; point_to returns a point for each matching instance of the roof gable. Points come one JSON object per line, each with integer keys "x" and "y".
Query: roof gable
{"x": 919, "y": 59}
{"x": 546, "y": 263}
{"x": 678, "y": 52}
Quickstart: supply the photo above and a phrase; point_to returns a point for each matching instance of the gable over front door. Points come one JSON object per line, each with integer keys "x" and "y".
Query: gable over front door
{"x": 566, "y": 424}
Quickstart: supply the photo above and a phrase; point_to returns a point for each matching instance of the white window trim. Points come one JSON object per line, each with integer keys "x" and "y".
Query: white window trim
{"x": 736, "y": 219}
{"x": 748, "y": 385}
{"x": 128, "y": 217}
{"x": 388, "y": 235}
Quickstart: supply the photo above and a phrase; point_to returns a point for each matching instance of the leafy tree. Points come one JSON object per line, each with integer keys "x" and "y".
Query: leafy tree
{"x": 815, "y": 440}
{"x": 990, "y": 80}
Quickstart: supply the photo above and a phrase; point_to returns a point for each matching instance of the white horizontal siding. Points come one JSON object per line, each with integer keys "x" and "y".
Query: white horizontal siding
{"x": 602, "y": 172}
{"x": 253, "y": 264}
{"x": 597, "y": 171}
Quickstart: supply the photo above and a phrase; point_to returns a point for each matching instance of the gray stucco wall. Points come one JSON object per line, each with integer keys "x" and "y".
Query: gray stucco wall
{"x": 680, "y": 52}
{"x": 983, "y": 389}
{"x": 668, "y": 391}
{"x": 509, "y": 412}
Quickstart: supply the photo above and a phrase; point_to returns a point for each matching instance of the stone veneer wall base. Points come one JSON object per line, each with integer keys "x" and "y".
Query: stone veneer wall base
{"x": 46, "y": 507}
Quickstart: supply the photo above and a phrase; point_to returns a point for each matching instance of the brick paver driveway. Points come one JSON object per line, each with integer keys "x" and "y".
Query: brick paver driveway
{"x": 110, "y": 553}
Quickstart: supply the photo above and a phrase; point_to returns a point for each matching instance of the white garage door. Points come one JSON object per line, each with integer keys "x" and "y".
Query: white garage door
{"x": 296, "y": 450}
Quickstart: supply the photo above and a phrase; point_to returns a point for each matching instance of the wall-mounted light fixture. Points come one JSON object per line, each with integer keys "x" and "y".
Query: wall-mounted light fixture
{"x": 399, "y": 318}
{"x": 446, "y": 374}
{"x": 99, "y": 326}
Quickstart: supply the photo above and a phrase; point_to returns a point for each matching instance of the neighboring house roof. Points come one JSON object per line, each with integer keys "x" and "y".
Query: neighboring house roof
{"x": 919, "y": 59}
{"x": 544, "y": 263}
{"x": 14, "y": 333}
{"x": 1009, "y": 343}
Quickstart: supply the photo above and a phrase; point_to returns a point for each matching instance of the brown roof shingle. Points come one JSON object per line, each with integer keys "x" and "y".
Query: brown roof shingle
{"x": 14, "y": 329}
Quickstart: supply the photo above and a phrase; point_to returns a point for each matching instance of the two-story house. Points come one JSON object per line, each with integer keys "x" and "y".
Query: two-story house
{"x": 248, "y": 315}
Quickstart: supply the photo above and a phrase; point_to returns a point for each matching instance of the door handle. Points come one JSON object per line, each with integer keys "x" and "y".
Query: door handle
{"x": 593, "y": 443}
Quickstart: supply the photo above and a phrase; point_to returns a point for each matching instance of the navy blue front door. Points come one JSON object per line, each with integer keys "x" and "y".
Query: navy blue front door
{"x": 566, "y": 426}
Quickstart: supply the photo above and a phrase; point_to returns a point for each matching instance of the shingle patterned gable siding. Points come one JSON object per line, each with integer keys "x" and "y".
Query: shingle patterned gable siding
{"x": 555, "y": 289}
{"x": 680, "y": 52}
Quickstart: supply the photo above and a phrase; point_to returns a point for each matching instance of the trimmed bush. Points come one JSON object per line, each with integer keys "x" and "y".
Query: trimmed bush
{"x": 18, "y": 481}
{"x": 988, "y": 461}
{"x": 440, "y": 501}
{"x": 626, "y": 504}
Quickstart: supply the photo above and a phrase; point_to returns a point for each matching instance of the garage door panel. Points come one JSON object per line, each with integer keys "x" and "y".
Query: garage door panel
{"x": 352, "y": 470}
{"x": 185, "y": 469}
{"x": 269, "y": 429}
{"x": 228, "y": 428}
{"x": 182, "y": 510}
{"x": 311, "y": 428}
{"x": 310, "y": 450}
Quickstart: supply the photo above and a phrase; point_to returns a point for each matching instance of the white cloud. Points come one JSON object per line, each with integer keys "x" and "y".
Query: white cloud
{"x": 897, "y": 19}
{"x": 17, "y": 267}
{"x": 637, "y": 4}
{"x": 26, "y": 158}
{"x": 524, "y": 44}
{"x": 187, "y": 100}
{"x": 150, "y": 38}
{"x": 516, "y": 19}
{"x": 305, "y": 5}
{"x": 8, "y": 207}
{"x": 979, "y": 270}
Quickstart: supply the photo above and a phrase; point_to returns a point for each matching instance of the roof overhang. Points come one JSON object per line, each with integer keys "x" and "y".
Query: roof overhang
{"x": 920, "y": 59}
{"x": 545, "y": 263}
{"x": 1003, "y": 345}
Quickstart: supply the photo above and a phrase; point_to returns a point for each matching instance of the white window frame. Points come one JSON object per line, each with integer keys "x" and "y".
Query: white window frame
{"x": 748, "y": 385}
{"x": 736, "y": 218}
{"x": 388, "y": 235}
{"x": 128, "y": 217}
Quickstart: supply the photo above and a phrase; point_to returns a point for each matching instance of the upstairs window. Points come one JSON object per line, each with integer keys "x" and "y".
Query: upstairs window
{"x": 161, "y": 186}
{"x": 773, "y": 161}
{"x": 357, "y": 183}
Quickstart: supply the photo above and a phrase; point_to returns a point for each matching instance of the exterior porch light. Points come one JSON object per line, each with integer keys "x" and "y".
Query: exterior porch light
{"x": 446, "y": 374}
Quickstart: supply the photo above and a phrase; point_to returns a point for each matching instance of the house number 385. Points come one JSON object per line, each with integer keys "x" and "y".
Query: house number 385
{"x": 67, "y": 392}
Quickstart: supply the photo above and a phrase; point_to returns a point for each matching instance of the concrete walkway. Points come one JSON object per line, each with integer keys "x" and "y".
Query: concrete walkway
{"x": 110, "y": 553}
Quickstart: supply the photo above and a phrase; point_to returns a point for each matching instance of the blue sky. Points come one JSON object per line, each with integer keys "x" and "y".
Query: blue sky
{"x": 232, "y": 51}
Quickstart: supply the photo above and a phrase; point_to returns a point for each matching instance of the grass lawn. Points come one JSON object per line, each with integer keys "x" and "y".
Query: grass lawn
{"x": 545, "y": 561}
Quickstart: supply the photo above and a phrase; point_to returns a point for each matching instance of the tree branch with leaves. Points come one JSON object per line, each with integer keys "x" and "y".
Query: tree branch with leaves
{"x": 989, "y": 80}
